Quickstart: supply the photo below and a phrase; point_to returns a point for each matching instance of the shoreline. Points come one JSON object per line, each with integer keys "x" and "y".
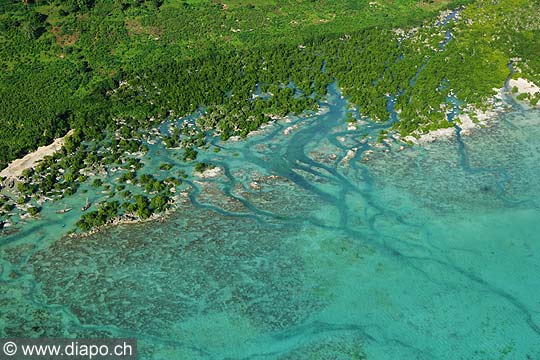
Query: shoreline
{"x": 471, "y": 118}
{"x": 30, "y": 160}
{"x": 524, "y": 87}
{"x": 464, "y": 121}
{"x": 124, "y": 219}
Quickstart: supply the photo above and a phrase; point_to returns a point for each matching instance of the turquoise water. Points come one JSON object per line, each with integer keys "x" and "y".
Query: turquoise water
{"x": 296, "y": 252}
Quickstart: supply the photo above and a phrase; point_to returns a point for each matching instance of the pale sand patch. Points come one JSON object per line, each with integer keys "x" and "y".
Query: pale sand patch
{"x": 262, "y": 129}
{"x": 524, "y": 86}
{"x": 290, "y": 129}
{"x": 30, "y": 160}
{"x": 466, "y": 124}
{"x": 209, "y": 173}
{"x": 464, "y": 121}
{"x": 431, "y": 136}
{"x": 350, "y": 154}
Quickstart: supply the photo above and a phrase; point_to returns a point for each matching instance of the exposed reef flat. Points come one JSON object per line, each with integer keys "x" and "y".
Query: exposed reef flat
{"x": 302, "y": 247}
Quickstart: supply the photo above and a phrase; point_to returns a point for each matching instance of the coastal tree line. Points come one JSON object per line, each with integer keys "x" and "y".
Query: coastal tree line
{"x": 92, "y": 81}
{"x": 63, "y": 63}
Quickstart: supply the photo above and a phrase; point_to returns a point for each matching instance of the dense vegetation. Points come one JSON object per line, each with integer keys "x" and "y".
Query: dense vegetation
{"x": 112, "y": 69}
{"x": 63, "y": 61}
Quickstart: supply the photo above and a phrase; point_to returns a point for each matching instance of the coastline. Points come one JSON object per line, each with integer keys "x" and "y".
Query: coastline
{"x": 30, "y": 160}
{"x": 471, "y": 118}
{"x": 121, "y": 220}
{"x": 129, "y": 218}
{"x": 524, "y": 86}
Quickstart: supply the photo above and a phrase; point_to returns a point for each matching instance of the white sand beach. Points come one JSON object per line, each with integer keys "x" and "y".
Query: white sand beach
{"x": 15, "y": 168}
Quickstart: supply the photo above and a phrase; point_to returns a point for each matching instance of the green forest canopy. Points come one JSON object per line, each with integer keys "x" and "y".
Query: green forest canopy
{"x": 83, "y": 63}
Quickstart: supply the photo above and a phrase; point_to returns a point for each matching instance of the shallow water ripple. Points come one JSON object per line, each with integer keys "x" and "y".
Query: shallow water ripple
{"x": 301, "y": 249}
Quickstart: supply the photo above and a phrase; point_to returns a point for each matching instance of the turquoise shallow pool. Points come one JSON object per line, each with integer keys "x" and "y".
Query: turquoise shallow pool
{"x": 297, "y": 252}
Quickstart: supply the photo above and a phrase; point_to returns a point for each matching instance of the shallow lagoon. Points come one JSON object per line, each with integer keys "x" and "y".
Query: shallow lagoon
{"x": 295, "y": 252}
